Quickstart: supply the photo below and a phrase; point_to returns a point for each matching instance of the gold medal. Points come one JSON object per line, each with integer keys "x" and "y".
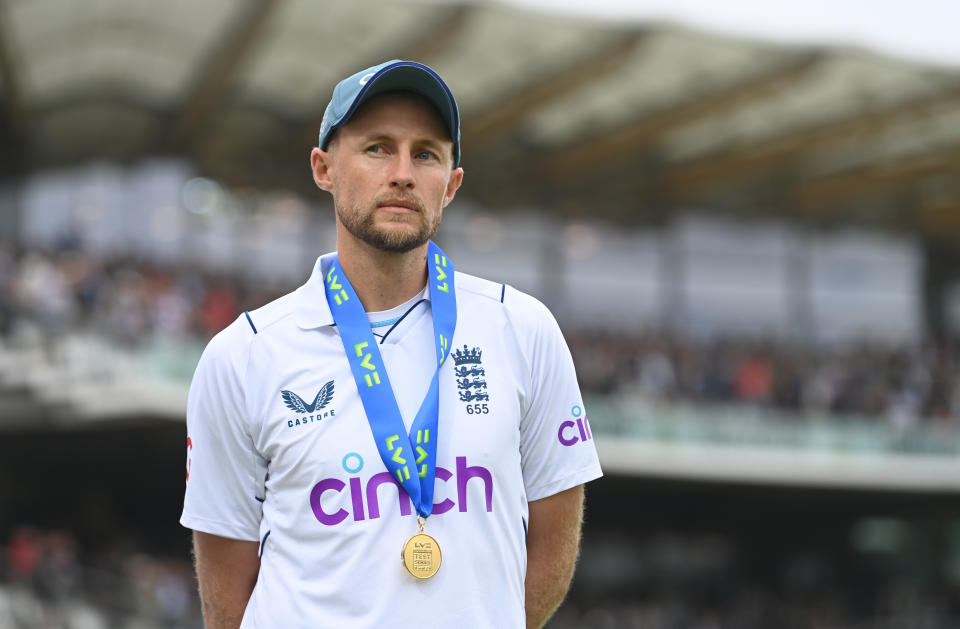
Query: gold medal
{"x": 421, "y": 554}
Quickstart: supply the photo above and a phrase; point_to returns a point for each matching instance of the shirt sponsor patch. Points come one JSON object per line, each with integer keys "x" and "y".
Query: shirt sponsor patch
{"x": 312, "y": 412}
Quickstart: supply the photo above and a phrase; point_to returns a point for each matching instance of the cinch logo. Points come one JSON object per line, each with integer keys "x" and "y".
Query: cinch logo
{"x": 296, "y": 404}
{"x": 365, "y": 501}
{"x": 568, "y": 431}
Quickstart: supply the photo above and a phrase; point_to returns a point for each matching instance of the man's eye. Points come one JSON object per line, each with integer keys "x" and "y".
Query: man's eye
{"x": 425, "y": 155}
{"x": 375, "y": 148}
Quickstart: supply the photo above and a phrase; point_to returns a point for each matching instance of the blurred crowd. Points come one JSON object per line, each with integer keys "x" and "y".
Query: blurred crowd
{"x": 903, "y": 383}
{"x": 48, "y": 582}
{"x": 710, "y": 580}
{"x": 757, "y": 607}
{"x": 134, "y": 302}
{"x": 130, "y": 301}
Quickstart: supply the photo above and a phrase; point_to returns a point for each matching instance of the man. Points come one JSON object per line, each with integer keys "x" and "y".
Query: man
{"x": 394, "y": 443}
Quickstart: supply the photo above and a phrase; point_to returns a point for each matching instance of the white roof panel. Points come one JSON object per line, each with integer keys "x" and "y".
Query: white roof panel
{"x": 666, "y": 67}
{"x": 122, "y": 46}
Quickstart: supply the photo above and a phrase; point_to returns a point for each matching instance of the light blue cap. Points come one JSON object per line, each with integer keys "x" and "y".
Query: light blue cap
{"x": 395, "y": 75}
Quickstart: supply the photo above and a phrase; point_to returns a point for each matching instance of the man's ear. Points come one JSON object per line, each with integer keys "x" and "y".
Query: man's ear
{"x": 320, "y": 164}
{"x": 456, "y": 178}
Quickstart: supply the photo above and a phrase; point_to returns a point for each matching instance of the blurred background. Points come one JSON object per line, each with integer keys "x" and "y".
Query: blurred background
{"x": 747, "y": 222}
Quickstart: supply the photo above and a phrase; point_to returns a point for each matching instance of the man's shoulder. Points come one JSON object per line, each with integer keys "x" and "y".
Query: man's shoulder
{"x": 472, "y": 287}
{"x": 234, "y": 340}
{"x": 264, "y": 320}
{"x": 517, "y": 305}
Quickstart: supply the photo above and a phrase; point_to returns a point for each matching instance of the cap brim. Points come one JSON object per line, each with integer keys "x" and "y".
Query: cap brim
{"x": 408, "y": 77}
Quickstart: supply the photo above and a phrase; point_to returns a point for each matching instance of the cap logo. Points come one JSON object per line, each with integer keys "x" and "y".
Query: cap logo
{"x": 366, "y": 77}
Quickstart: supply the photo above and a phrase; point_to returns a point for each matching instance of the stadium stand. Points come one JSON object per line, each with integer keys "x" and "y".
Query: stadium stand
{"x": 774, "y": 471}
{"x": 91, "y": 339}
{"x": 84, "y": 304}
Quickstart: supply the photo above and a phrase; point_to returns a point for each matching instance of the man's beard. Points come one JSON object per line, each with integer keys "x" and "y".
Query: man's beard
{"x": 363, "y": 227}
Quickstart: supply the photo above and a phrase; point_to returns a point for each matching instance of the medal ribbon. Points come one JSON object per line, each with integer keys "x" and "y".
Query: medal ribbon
{"x": 410, "y": 458}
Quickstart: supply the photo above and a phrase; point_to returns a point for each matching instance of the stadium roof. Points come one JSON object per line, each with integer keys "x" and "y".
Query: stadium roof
{"x": 624, "y": 120}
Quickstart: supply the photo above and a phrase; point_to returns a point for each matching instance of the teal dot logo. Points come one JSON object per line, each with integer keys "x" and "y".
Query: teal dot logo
{"x": 352, "y": 458}
{"x": 576, "y": 410}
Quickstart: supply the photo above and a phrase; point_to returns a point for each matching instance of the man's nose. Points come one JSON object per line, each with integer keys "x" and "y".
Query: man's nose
{"x": 402, "y": 176}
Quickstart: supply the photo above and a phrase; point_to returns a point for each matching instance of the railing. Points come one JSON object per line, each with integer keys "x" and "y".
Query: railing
{"x": 96, "y": 376}
{"x": 741, "y": 425}
{"x": 147, "y": 596}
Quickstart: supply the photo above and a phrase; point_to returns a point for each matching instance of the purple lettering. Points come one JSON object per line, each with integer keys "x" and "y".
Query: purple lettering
{"x": 583, "y": 434}
{"x": 586, "y": 422}
{"x": 447, "y": 504}
{"x": 373, "y": 504}
{"x": 317, "y": 492}
{"x": 564, "y": 440}
{"x": 356, "y": 495}
{"x": 464, "y": 474}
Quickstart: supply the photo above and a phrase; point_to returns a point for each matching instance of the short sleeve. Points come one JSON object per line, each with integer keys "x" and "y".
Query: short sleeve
{"x": 556, "y": 444}
{"x": 225, "y": 474}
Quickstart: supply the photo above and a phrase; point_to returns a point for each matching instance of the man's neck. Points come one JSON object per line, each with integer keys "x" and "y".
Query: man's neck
{"x": 383, "y": 280}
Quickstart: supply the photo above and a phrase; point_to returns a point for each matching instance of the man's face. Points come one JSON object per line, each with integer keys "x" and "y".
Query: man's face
{"x": 390, "y": 171}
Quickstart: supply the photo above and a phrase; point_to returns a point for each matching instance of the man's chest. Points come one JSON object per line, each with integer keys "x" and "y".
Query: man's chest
{"x": 315, "y": 431}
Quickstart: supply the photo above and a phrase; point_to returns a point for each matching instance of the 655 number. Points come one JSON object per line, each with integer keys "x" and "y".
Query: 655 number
{"x": 478, "y": 409}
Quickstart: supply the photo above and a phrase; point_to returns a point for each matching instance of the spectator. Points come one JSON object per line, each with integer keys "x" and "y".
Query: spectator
{"x": 135, "y": 303}
{"x": 24, "y": 555}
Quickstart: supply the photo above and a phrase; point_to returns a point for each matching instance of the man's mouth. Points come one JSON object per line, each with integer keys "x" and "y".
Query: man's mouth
{"x": 399, "y": 203}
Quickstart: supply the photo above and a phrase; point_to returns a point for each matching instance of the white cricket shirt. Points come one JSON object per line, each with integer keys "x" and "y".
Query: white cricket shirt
{"x": 280, "y": 452}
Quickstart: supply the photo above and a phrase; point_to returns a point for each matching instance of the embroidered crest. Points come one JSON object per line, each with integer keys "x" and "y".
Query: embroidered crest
{"x": 470, "y": 374}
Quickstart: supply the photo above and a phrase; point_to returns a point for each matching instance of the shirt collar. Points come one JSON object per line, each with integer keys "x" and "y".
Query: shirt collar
{"x": 311, "y": 309}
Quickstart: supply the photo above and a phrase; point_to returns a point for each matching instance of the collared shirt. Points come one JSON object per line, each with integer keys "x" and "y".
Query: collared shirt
{"x": 281, "y": 453}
